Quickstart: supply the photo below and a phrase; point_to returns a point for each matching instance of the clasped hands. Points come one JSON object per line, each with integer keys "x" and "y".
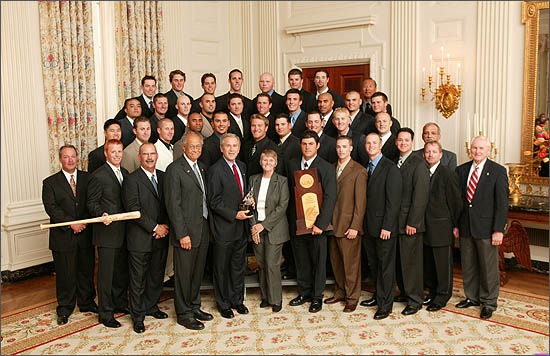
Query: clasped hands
{"x": 161, "y": 231}
{"x": 78, "y": 227}
{"x": 496, "y": 237}
{"x": 256, "y": 230}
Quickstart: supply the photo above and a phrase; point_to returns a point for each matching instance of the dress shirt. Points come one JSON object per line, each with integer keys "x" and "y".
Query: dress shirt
{"x": 385, "y": 138}
{"x": 317, "y": 93}
{"x": 481, "y": 165}
{"x": 262, "y": 195}
{"x": 178, "y": 94}
{"x": 294, "y": 117}
{"x": 352, "y": 116}
{"x": 182, "y": 119}
{"x": 68, "y": 176}
{"x": 230, "y": 164}
{"x": 130, "y": 120}
{"x": 148, "y": 100}
{"x": 283, "y": 139}
{"x": 375, "y": 161}
{"x": 308, "y": 162}
{"x": 341, "y": 166}
{"x": 326, "y": 117}
{"x": 239, "y": 121}
{"x": 404, "y": 158}
{"x": 432, "y": 169}
{"x": 115, "y": 169}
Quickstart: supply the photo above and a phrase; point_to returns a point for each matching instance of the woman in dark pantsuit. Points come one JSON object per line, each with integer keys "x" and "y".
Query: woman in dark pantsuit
{"x": 269, "y": 227}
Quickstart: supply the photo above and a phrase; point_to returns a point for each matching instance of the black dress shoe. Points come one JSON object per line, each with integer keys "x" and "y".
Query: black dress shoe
{"x": 299, "y": 300}
{"x": 110, "y": 323}
{"x": 333, "y": 300}
{"x": 124, "y": 310}
{"x": 486, "y": 313}
{"x": 316, "y": 305}
{"x": 369, "y": 303}
{"x": 91, "y": 308}
{"x": 467, "y": 303}
{"x": 381, "y": 314}
{"x": 227, "y": 313}
{"x": 62, "y": 319}
{"x": 434, "y": 307}
{"x": 139, "y": 327}
{"x": 289, "y": 275}
{"x": 191, "y": 323}
{"x": 158, "y": 314}
{"x": 264, "y": 304}
{"x": 428, "y": 300}
{"x": 241, "y": 309}
{"x": 409, "y": 310}
{"x": 400, "y": 298}
{"x": 276, "y": 308}
{"x": 203, "y": 316}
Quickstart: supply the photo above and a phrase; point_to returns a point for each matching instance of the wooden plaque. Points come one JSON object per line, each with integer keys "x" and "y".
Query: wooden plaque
{"x": 309, "y": 199}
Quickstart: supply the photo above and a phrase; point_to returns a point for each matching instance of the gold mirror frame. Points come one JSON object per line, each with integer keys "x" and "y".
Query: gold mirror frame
{"x": 530, "y": 17}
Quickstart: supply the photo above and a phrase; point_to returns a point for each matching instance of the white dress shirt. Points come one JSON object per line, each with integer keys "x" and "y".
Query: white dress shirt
{"x": 262, "y": 195}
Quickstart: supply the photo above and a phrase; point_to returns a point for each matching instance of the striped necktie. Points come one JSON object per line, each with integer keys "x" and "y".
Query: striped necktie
{"x": 472, "y": 185}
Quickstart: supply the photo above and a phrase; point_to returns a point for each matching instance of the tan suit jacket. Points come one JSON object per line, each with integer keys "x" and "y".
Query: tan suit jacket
{"x": 351, "y": 200}
{"x": 130, "y": 159}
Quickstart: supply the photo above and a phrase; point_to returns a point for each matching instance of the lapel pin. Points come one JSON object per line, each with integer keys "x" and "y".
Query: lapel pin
{"x": 488, "y": 173}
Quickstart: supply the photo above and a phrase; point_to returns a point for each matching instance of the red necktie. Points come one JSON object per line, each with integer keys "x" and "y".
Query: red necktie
{"x": 472, "y": 186}
{"x": 238, "y": 179}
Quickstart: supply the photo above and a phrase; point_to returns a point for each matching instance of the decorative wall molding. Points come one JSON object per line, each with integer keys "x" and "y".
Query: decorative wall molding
{"x": 331, "y": 25}
{"x": 247, "y": 47}
{"x": 268, "y": 40}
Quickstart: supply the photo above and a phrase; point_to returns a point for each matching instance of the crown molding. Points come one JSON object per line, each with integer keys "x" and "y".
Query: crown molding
{"x": 331, "y": 25}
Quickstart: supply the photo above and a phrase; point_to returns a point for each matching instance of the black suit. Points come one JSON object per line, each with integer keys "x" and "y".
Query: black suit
{"x": 479, "y": 219}
{"x": 310, "y": 252}
{"x": 146, "y": 254}
{"x": 249, "y": 106}
{"x": 389, "y": 150}
{"x": 271, "y": 132}
{"x": 329, "y": 127}
{"x": 179, "y": 129}
{"x": 414, "y": 198}
{"x": 127, "y": 130}
{"x": 145, "y": 109}
{"x": 288, "y": 150}
{"x": 210, "y": 151}
{"x": 299, "y": 125}
{"x": 360, "y": 123}
{"x": 279, "y": 104}
{"x": 96, "y": 158}
{"x": 229, "y": 234}
{"x": 367, "y": 109}
{"x": 327, "y": 148}
{"x": 154, "y": 119}
{"x": 234, "y": 128}
{"x": 195, "y": 105}
{"x": 104, "y": 196}
{"x": 442, "y": 211}
{"x": 253, "y": 160}
{"x": 185, "y": 202}
{"x": 384, "y": 188}
{"x": 172, "y": 100}
{"x": 448, "y": 159}
{"x": 308, "y": 101}
{"x": 73, "y": 254}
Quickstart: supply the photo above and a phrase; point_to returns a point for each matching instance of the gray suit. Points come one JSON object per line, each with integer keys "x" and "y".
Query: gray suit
{"x": 269, "y": 251}
{"x": 448, "y": 159}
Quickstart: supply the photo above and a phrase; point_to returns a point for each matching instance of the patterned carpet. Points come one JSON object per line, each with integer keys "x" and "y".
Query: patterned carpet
{"x": 519, "y": 326}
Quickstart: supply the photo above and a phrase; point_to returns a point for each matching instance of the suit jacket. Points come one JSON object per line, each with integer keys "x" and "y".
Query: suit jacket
{"x": 172, "y": 99}
{"x": 327, "y": 178}
{"x": 184, "y": 201}
{"x": 443, "y": 209}
{"x": 195, "y": 105}
{"x": 448, "y": 159}
{"x": 253, "y": 160}
{"x": 130, "y": 159}
{"x": 308, "y": 101}
{"x": 249, "y": 107}
{"x": 360, "y": 123}
{"x": 489, "y": 207}
{"x": 271, "y": 133}
{"x": 61, "y": 205}
{"x": 389, "y": 150}
{"x": 234, "y": 128}
{"x": 154, "y": 120}
{"x": 224, "y": 197}
{"x": 145, "y": 110}
{"x": 104, "y": 196}
{"x": 278, "y": 104}
{"x": 179, "y": 129}
{"x": 368, "y": 110}
{"x": 299, "y": 125}
{"x": 327, "y": 148}
{"x": 276, "y": 204}
{"x": 210, "y": 151}
{"x": 127, "y": 130}
{"x": 329, "y": 127}
{"x": 290, "y": 149}
{"x": 351, "y": 203}
{"x": 384, "y": 189}
{"x": 415, "y": 193}
{"x": 138, "y": 193}
{"x": 96, "y": 158}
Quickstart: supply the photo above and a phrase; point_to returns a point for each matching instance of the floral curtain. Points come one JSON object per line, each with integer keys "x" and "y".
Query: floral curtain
{"x": 140, "y": 45}
{"x": 69, "y": 78}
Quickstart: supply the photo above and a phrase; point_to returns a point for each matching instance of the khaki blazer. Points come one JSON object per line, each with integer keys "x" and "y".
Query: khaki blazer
{"x": 130, "y": 159}
{"x": 351, "y": 200}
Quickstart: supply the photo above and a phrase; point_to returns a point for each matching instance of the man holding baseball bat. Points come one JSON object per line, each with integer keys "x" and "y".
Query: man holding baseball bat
{"x": 64, "y": 198}
{"x": 104, "y": 198}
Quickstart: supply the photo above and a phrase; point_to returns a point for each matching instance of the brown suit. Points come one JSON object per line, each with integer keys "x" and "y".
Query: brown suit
{"x": 345, "y": 254}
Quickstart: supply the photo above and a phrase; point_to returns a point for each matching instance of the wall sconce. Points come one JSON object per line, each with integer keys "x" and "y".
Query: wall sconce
{"x": 446, "y": 94}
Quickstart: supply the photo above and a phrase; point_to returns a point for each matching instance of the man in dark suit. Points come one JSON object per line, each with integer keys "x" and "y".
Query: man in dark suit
{"x": 183, "y": 105}
{"x": 327, "y": 144}
{"x": 104, "y": 198}
{"x": 297, "y": 116}
{"x": 177, "y": 81}
{"x": 383, "y": 129}
{"x": 185, "y": 192}
{"x": 253, "y": 149}
{"x": 263, "y": 107}
{"x": 349, "y": 212}
{"x": 266, "y": 86}
{"x": 321, "y": 79}
{"x": 160, "y": 104}
{"x": 367, "y": 90}
{"x": 238, "y": 123}
{"x": 111, "y": 131}
{"x": 414, "y": 198}
{"x": 208, "y": 84}
{"x": 146, "y": 237}
{"x": 381, "y": 225}
{"x": 310, "y": 250}
{"x": 444, "y": 207}
{"x": 341, "y": 120}
{"x": 148, "y": 89}
{"x": 359, "y": 120}
{"x": 64, "y": 199}
{"x": 484, "y": 186}
{"x": 235, "y": 81}
{"x": 211, "y": 149}
{"x": 430, "y": 133}
{"x": 227, "y": 187}
{"x": 132, "y": 109}
{"x": 296, "y": 81}
{"x": 326, "y": 105}
{"x": 380, "y": 105}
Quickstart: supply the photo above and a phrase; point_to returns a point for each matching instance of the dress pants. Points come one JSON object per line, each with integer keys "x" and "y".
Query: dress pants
{"x": 381, "y": 257}
{"x": 74, "y": 281}
{"x": 310, "y": 257}
{"x": 112, "y": 280}
{"x": 228, "y": 276}
{"x": 479, "y": 260}
{"x": 268, "y": 257}
{"x": 345, "y": 256}
{"x": 409, "y": 268}
{"x": 438, "y": 272}
{"x": 189, "y": 266}
{"x": 289, "y": 258}
{"x": 146, "y": 277}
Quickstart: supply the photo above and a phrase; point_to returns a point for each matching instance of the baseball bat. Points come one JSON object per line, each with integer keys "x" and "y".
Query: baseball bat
{"x": 114, "y": 217}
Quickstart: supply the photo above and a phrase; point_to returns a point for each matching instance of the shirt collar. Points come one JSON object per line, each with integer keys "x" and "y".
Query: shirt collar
{"x": 130, "y": 119}
{"x": 68, "y": 175}
{"x": 308, "y": 162}
{"x": 147, "y": 99}
{"x": 433, "y": 169}
{"x": 271, "y": 92}
{"x": 168, "y": 145}
{"x": 297, "y": 113}
{"x": 189, "y": 161}
{"x": 344, "y": 164}
{"x": 376, "y": 160}
{"x": 149, "y": 174}
{"x": 283, "y": 139}
{"x": 404, "y": 158}
{"x": 113, "y": 167}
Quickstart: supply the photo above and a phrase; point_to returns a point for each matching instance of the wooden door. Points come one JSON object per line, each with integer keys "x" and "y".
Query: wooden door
{"x": 342, "y": 79}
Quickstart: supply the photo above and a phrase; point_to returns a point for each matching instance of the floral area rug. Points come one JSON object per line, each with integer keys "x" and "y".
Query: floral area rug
{"x": 519, "y": 326}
